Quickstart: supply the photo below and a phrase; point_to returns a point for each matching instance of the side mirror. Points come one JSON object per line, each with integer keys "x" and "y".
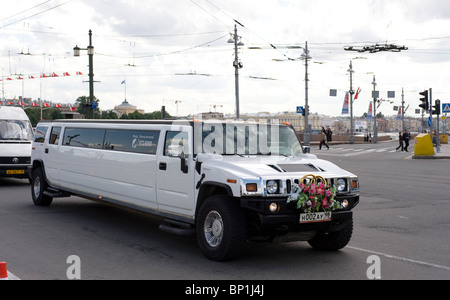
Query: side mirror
{"x": 176, "y": 151}
{"x": 306, "y": 149}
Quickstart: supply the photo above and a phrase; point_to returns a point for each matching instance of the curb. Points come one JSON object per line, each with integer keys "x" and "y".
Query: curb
{"x": 431, "y": 156}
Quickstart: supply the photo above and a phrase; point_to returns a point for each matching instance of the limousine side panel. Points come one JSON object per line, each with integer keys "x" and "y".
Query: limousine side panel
{"x": 127, "y": 177}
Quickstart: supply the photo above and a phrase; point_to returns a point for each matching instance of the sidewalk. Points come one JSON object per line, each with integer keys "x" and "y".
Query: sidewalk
{"x": 443, "y": 154}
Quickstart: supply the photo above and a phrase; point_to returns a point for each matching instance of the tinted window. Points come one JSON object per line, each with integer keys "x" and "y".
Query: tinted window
{"x": 54, "y": 136}
{"x": 82, "y": 137}
{"x": 39, "y": 135}
{"x": 132, "y": 141}
{"x": 174, "y": 138}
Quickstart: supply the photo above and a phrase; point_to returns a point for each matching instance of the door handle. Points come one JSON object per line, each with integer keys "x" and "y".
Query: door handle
{"x": 163, "y": 166}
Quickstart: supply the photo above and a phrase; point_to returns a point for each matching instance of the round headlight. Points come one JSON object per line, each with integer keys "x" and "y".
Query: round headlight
{"x": 273, "y": 207}
{"x": 340, "y": 185}
{"x": 272, "y": 186}
{"x": 345, "y": 203}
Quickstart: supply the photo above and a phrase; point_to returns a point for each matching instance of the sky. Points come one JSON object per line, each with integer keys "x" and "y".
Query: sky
{"x": 175, "y": 53}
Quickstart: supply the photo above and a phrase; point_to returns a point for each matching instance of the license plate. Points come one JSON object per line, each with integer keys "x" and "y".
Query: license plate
{"x": 15, "y": 172}
{"x": 315, "y": 217}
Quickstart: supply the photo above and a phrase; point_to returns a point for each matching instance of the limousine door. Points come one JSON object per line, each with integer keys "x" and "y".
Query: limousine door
{"x": 175, "y": 182}
{"x": 52, "y": 152}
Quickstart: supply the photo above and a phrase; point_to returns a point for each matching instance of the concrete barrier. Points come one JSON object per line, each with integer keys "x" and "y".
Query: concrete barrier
{"x": 423, "y": 145}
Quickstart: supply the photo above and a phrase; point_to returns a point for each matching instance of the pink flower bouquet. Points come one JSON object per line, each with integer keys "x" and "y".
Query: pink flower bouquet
{"x": 314, "y": 197}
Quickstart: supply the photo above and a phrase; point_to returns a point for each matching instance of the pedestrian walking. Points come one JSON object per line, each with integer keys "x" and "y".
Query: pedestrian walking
{"x": 323, "y": 136}
{"x": 406, "y": 138}
{"x": 400, "y": 141}
{"x": 329, "y": 134}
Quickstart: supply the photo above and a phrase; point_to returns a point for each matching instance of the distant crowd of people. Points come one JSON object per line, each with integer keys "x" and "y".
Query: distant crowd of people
{"x": 403, "y": 139}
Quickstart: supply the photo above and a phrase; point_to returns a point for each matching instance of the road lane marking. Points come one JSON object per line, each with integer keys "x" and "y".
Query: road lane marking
{"x": 418, "y": 262}
{"x": 11, "y": 276}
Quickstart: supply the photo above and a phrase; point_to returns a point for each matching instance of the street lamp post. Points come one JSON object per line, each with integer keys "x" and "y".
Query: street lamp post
{"x": 234, "y": 38}
{"x": 306, "y": 57}
{"x": 375, "y": 127}
{"x": 90, "y": 50}
{"x": 351, "y": 92}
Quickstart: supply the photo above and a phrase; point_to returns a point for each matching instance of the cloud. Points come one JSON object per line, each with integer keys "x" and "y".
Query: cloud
{"x": 150, "y": 43}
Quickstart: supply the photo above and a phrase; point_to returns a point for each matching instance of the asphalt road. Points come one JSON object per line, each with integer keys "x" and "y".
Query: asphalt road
{"x": 402, "y": 220}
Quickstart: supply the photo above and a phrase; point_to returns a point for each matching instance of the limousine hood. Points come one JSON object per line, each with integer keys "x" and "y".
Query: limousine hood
{"x": 270, "y": 166}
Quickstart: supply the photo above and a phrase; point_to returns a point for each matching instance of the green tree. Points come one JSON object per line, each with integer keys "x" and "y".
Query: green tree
{"x": 84, "y": 108}
{"x": 156, "y": 115}
{"x": 34, "y": 114}
{"x": 109, "y": 115}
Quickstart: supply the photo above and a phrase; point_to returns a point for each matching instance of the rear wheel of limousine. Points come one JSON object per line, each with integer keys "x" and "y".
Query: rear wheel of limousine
{"x": 221, "y": 228}
{"x": 331, "y": 241}
{"x": 38, "y": 186}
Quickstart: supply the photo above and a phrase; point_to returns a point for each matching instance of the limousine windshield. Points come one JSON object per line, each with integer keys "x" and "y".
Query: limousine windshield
{"x": 249, "y": 139}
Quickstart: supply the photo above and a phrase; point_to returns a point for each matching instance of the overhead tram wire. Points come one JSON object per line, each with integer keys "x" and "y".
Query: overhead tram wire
{"x": 199, "y": 6}
{"x": 24, "y": 11}
{"x": 36, "y": 14}
{"x": 168, "y": 53}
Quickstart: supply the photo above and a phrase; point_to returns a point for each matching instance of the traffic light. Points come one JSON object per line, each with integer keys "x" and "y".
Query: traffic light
{"x": 437, "y": 107}
{"x": 424, "y": 99}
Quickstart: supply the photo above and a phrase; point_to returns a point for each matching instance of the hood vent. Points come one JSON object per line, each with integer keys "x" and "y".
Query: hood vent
{"x": 284, "y": 168}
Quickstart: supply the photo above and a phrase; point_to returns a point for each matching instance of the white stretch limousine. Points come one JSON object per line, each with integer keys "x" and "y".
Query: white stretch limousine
{"x": 228, "y": 182}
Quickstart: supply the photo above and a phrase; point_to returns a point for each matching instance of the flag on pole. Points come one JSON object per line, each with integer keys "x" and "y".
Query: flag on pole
{"x": 345, "y": 106}
{"x": 399, "y": 114}
{"x": 357, "y": 93}
{"x": 369, "y": 112}
{"x": 124, "y": 82}
{"x": 379, "y": 103}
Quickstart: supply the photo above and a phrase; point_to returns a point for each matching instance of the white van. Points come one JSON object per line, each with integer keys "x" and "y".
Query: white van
{"x": 228, "y": 182}
{"x": 16, "y": 136}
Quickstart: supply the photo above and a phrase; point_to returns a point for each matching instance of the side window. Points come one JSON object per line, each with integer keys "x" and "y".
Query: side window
{"x": 84, "y": 137}
{"x": 54, "y": 136}
{"x": 176, "y": 138}
{"x": 39, "y": 135}
{"x": 137, "y": 141}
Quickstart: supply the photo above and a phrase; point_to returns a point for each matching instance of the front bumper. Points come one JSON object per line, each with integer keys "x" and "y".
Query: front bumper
{"x": 14, "y": 171}
{"x": 286, "y": 219}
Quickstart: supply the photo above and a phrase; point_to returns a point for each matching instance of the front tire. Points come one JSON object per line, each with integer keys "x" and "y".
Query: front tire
{"x": 38, "y": 186}
{"x": 221, "y": 228}
{"x": 332, "y": 241}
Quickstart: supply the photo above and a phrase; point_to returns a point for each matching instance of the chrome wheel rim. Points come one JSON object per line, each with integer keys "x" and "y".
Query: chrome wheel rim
{"x": 37, "y": 187}
{"x": 213, "y": 228}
